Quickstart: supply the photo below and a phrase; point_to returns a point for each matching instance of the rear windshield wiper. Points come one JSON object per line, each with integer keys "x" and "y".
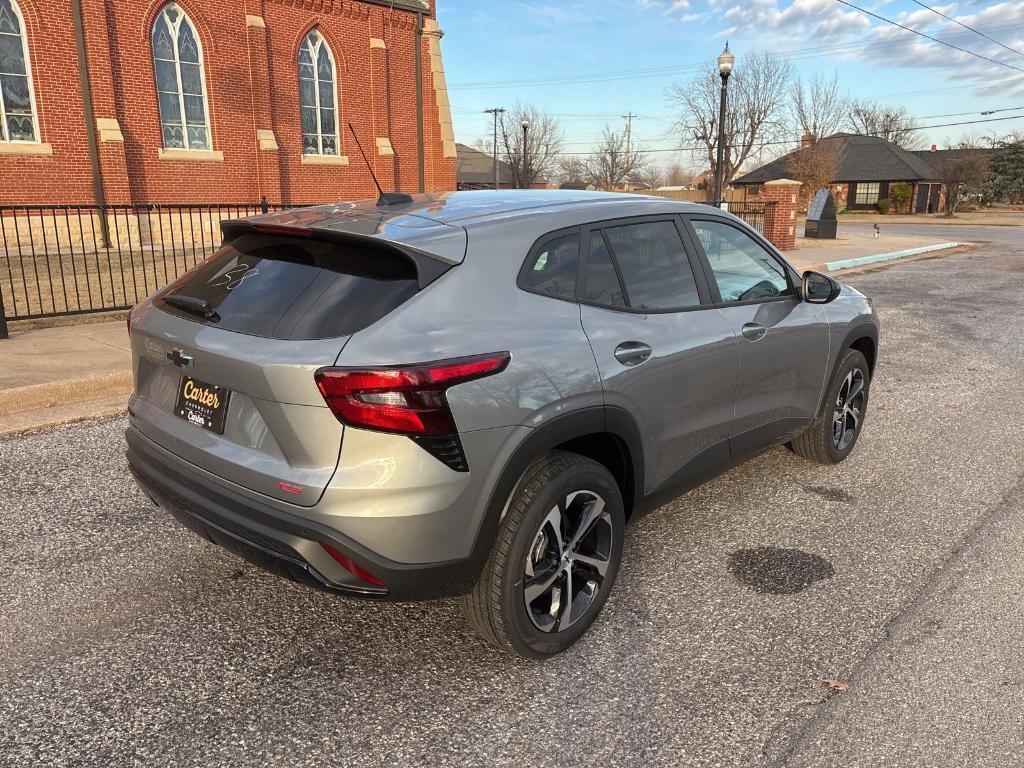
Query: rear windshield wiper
{"x": 192, "y": 305}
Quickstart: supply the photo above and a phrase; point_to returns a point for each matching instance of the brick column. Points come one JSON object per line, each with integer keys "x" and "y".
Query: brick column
{"x": 781, "y": 198}
{"x": 269, "y": 166}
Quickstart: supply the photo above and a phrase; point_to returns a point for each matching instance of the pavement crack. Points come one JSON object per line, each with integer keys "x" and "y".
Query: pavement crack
{"x": 1012, "y": 502}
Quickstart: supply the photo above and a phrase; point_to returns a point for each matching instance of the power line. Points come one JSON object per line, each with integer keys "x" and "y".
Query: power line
{"x": 950, "y": 18}
{"x": 929, "y": 37}
{"x": 628, "y": 74}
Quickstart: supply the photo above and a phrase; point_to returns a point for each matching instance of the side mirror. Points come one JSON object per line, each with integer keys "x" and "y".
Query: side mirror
{"x": 819, "y": 288}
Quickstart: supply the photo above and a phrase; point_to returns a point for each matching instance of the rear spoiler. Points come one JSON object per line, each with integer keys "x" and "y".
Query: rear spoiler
{"x": 428, "y": 266}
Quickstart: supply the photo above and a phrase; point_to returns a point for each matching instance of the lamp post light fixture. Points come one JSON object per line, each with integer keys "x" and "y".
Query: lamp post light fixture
{"x": 526, "y": 155}
{"x": 725, "y": 62}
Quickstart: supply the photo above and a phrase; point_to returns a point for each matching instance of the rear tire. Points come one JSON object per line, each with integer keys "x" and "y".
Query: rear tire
{"x": 561, "y": 536}
{"x": 832, "y": 436}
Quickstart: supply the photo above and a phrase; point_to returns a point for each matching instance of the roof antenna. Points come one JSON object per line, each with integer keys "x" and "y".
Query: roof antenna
{"x": 386, "y": 198}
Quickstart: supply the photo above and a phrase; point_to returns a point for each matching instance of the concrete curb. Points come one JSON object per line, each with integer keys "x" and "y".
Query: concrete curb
{"x": 58, "y": 394}
{"x": 43, "y": 418}
{"x": 861, "y": 261}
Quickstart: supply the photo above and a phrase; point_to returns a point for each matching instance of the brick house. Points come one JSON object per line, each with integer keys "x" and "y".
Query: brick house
{"x": 198, "y": 101}
{"x": 868, "y": 166}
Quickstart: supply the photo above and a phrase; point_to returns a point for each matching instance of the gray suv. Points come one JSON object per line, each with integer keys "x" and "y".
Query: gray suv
{"x": 472, "y": 394}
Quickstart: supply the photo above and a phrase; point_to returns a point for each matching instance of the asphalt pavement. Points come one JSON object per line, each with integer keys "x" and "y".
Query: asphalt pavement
{"x": 125, "y": 640}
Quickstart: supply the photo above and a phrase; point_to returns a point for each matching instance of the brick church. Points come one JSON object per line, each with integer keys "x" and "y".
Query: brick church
{"x": 207, "y": 101}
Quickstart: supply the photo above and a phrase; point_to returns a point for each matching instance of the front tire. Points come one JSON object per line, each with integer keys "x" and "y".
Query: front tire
{"x": 554, "y": 561}
{"x": 832, "y": 436}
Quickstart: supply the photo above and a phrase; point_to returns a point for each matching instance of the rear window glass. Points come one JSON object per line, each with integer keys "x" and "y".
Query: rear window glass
{"x": 292, "y": 288}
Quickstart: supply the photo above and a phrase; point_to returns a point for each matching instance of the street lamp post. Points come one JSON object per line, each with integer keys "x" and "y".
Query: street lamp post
{"x": 526, "y": 155}
{"x": 725, "y": 62}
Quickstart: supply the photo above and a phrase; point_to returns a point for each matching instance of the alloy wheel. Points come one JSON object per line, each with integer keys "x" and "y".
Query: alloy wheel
{"x": 568, "y": 561}
{"x": 849, "y": 410}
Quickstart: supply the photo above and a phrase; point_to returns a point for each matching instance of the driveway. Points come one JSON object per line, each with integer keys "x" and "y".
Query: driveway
{"x": 125, "y": 640}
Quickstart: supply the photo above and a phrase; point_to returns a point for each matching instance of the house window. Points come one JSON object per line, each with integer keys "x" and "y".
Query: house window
{"x": 180, "y": 82}
{"x": 317, "y": 96}
{"x": 18, "y": 120}
{"x": 867, "y": 193}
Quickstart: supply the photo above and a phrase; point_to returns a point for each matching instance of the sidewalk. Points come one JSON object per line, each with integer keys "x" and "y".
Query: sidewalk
{"x": 57, "y": 375}
{"x": 816, "y": 254}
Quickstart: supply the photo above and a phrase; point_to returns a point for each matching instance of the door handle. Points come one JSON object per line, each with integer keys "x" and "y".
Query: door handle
{"x": 754, "y": 331}
{"x": 632, "y": 352}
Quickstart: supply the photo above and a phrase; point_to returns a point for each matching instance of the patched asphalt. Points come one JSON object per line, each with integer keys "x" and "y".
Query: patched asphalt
{"x": 126, "y": 640}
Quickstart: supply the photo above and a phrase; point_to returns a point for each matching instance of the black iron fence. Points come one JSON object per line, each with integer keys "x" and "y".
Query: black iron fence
{"x": 75, "y": 259}
{"x": 751, "y": 212}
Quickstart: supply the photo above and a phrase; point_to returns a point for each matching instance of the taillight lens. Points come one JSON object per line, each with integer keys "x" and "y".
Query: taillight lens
{"x": 408, "y": 400}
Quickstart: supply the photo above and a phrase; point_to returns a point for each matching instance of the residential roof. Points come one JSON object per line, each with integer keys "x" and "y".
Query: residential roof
{"x": 938, "y": 155}
{"x": 862, "y": 158}
{"x": 476, "y": 167}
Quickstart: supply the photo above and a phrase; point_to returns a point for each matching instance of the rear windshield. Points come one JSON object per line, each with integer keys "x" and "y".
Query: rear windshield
{"x": 283, "y": 287}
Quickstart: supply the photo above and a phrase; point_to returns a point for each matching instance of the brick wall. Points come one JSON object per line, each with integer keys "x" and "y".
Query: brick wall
{"x": 783, "y": 199}
{"x": 250, "y": 50}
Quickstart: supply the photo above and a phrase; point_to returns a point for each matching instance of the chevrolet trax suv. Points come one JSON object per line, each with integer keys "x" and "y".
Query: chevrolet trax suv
{"x": 472, "y": 394}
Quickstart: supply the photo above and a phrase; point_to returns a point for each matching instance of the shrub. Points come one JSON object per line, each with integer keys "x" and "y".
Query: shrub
{"x": 883, "y": 205}
{"x": 900, "y": 194}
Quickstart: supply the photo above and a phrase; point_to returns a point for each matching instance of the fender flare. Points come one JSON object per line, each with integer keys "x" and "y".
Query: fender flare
{"x": 561, "y": 429}
{"x": 862, "y": 330}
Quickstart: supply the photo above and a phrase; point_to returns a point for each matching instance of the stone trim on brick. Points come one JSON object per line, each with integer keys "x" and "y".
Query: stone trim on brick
{"x": 433, "y": 33}
{"x": 325, "y": 159}
{"x": 268, "y": 142}
{"x": 376, "y": 42}
{"x": 255, "y": 21}
{"x": 25, "y": 148}
{"x": 384, "y": 146}
{"x": 109, "y": 129}
{"x": 196, "y": 155}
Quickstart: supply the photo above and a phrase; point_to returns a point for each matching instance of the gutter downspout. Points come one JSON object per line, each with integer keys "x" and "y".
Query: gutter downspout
{"x": 421, "y": 156}
{"x": 90, "y": 121}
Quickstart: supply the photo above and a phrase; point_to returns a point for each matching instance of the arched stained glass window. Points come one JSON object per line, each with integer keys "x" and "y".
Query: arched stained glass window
{"x": 318, "y": 96}
{"x": 17, "y": 102}
{"x": 180, "y": 83}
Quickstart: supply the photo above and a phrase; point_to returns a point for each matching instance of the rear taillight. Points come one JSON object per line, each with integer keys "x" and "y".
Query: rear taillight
{"x": 408, "y": 400}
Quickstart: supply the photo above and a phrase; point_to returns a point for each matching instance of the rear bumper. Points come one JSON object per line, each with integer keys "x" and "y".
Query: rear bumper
{"x": 284, "y": 543}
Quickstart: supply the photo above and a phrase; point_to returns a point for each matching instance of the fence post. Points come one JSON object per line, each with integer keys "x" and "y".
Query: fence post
{"x": 3, "y": 316}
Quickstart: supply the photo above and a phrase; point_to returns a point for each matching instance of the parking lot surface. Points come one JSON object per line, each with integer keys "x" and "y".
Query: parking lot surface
{"x": 125, "y": 640}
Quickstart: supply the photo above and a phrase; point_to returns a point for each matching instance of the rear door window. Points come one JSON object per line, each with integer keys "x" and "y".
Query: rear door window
{"x": 283, "y": 287}
{"x": 653, "y": 265}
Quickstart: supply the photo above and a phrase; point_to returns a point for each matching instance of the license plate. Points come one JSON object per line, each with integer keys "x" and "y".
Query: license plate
{"x": 204, "y": 405}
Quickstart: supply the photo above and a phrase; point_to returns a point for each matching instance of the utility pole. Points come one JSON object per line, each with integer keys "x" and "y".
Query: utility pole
{"x": 629, "y": 132}
{"x": 495, "y": 111}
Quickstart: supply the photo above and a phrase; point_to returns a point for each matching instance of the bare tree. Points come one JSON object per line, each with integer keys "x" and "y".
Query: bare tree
{"x": 817, "y": 107}
{"x": 756, "y": 114}
{"x": 612, "y": 164}
{"x": 676, "y": 175}
{"x": 890, "y": 123}
{"x": 648, "y": 177}
{"x": 963, "y": 171}
{"x": 572, "y": 169}
{"x": 815, "y": 166}
{"x": 543, "y": 144}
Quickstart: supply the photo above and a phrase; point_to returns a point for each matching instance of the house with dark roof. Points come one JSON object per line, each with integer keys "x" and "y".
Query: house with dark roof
{"x": 866, "y": 169}
{"x": 475, "y": 169}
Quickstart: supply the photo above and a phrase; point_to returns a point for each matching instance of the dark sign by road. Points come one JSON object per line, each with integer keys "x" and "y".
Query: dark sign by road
{"x": 821, "y": 216}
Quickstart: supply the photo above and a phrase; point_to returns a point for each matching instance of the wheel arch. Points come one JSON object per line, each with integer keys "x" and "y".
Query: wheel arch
{"x": 864, "y": 338}
{"x": 606, "y": 434}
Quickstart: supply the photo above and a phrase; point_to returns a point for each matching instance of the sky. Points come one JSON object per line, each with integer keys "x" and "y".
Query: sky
{"x": 590, "y": 62}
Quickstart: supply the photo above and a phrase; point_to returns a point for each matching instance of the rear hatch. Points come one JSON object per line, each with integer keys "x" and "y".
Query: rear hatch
{"x": 224, "y": 358}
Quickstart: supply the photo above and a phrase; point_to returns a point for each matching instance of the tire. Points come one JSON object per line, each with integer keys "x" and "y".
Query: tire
{"x": 497, "y": 608}
{"x": 820, "y": 442}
